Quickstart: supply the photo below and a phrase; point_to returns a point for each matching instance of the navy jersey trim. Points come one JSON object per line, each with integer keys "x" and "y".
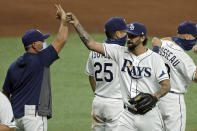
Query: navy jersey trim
{"x": 139, "y": 64}
{"x": 131, "y": 78}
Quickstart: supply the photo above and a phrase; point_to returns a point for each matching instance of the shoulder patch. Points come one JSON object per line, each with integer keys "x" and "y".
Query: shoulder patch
{"x": 162, "y": 73}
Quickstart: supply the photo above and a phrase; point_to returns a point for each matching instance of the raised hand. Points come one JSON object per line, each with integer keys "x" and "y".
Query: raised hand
{"x": 72, "y": 19}
{"x": 60, "y": 13}
{"x": 156, "y": 42}
{"x": 62, "y": 34}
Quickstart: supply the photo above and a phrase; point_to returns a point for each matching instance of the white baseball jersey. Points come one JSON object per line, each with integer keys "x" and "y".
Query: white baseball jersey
{"x": 106, "y": 74}
{"x": 181, "y": 67}
{"x": 6, "y": 113}
{"x": 137, "y": 73}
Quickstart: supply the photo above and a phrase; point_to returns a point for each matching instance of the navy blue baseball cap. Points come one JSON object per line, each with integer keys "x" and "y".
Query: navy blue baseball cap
{"x": 136, "y": 28}
{"x": 32, "y": 36}
{"x": 115, "y": 24}
{"x": 187, "y": 27}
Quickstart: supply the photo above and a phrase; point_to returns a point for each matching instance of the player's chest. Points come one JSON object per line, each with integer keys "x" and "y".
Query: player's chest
{"x": 136, "y": 67}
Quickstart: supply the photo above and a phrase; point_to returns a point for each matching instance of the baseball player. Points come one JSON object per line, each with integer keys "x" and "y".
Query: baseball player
{"x": 7, "y": 122}
{"x": 181, "y": 70}
{"x": 104, "y": 79}
{"x": 141, "y": 72}
{"x": 27, "y": 82}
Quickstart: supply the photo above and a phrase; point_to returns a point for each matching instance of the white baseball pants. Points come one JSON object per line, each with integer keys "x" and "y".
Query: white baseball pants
{"x": 173, "y": 110}
{"x": 151, "y": 121}
{"x": 106, "y": 113}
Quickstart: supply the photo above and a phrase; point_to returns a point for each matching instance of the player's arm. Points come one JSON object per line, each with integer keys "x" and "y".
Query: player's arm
{"x": 195, "y": 78}
{"x": 165, "y": 88}
{"x": 61, "y": 37}
{"x": 156, "y": 43}
{"x": 92, "y": 83}
{"x": 6, "y": 128}
{"x": 84, "y": 36}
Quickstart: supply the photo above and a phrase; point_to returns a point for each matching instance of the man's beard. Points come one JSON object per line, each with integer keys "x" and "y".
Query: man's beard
{"x": 133, "y": 46}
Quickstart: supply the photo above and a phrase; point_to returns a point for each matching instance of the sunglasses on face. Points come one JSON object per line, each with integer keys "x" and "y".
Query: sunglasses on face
{"x": 131, "y": 36}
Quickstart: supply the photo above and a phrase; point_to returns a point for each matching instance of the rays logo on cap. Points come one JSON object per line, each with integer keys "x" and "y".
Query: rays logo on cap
{"x": 131, "y": 27}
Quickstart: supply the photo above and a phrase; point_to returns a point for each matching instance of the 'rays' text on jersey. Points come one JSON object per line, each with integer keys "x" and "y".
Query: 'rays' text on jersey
{"x": 168, "y": 55}
{"x": 136, "y": 72}
{"x": 98, "y": 55}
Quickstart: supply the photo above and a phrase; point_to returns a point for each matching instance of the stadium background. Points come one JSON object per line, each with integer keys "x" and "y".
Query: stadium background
{"x": 160, "y": 16}
{"x": 72, "y": 95}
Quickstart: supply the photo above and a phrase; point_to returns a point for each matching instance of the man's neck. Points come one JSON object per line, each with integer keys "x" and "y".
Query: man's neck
{"x": 139, "y": 50}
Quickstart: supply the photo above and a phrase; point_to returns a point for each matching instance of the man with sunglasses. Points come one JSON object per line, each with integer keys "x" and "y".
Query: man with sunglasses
{"x": 140, "y": 69}
{"x": 182, "y": 71}
{"x": 27, "y": 82}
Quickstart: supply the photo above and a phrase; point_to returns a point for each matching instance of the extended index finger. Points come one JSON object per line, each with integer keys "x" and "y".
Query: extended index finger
{"x": 57, "y": 7}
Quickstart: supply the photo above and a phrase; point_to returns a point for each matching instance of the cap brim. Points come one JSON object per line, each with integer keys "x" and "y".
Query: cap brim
{"x": 45, "y": 36}
{"x": 131, "y": 32}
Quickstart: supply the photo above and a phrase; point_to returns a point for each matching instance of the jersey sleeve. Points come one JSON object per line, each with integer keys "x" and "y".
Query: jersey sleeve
{"x": 160, "y": 69}
{"x": 48, "y": 55}
{"x": 7, "y": 86}
{"x": 188, "y": 68}
{"x": 6, "y": 113}
{"x": 89, "y": 66}
{"x": 112, "y": 51}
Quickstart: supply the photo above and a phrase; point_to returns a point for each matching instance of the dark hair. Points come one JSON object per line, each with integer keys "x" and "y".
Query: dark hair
{"x": 110, "y": 34}
{"x": 145, "y": 41}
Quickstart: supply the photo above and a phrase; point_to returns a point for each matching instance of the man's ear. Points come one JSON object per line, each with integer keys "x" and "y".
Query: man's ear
{"x": 117, "y": 34}
{"x": 143, "y": 38}
{"x": 33, "y": 44}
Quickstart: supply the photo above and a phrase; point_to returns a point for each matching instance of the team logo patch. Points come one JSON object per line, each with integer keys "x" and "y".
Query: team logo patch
{"x": 162, "y": 73}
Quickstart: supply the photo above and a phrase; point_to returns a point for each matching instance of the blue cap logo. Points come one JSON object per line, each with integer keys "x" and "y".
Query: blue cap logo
{"x": 32, "y": 36}
{"x": 136, "y": 28}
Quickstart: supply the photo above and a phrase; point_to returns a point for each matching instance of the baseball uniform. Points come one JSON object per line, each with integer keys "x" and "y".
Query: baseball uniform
{"x": 107, "y": 104}
{"x": 181, "y": 69}
{"x": 28, "y": 82}
{"x": 138, "y": 74}
{"x": 6, "y": 113}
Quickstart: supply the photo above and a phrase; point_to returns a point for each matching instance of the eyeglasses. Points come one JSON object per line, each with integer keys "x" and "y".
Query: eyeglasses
{"x": 131, "y": 36}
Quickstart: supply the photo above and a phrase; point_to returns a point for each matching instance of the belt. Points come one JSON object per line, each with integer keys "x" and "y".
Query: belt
{"x": 130, "y": 110}
{"x": 175, "y": 92}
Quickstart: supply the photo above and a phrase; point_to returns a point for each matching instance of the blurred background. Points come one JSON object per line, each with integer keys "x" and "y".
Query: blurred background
{"x": 160, "y": 16}
{"x": 72, "y": 95}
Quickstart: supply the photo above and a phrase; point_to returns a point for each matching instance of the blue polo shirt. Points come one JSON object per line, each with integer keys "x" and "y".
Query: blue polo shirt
{"x": 24, "y": 78}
